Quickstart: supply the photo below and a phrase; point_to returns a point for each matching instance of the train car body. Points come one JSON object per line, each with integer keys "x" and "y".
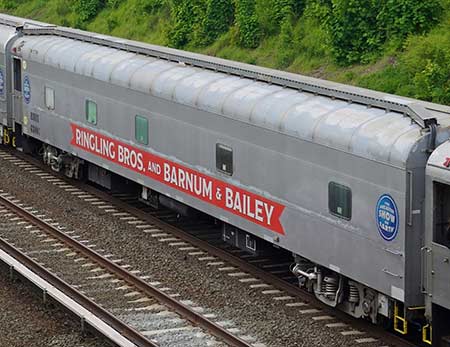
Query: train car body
{"x": 436, "y": 253}
{"x": 338, "y": 184}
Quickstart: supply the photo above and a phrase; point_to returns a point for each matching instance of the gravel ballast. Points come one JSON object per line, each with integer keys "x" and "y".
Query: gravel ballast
{"x": 267, "y": 320}
{"x": 25, "y": 321}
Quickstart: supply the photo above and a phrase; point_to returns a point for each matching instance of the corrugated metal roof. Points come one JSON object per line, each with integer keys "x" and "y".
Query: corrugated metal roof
{"x": 368, "y": 132}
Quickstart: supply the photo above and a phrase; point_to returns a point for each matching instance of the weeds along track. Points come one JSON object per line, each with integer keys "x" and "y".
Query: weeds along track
{"x": 243, "y": 294}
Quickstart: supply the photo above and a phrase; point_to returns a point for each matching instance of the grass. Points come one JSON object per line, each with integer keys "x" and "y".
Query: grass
{"x": 417, "y": 67}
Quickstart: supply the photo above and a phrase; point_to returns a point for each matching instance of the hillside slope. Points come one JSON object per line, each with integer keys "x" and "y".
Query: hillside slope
{"x": 396, "y": 46}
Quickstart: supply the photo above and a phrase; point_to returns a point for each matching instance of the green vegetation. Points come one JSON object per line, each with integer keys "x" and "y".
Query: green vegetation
{"x": 397, "y": 46}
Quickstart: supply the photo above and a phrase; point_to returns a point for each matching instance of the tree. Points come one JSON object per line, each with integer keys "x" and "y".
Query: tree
{"x": 286, "y": 50}
{"x": 247, "y": 24}
{"x": 354, "y": 31}
{"x": 86, "y": 10}
{"x": 218, "y": 18}
{"x": 402, "y": 17}
{"x": 187, "y": 16}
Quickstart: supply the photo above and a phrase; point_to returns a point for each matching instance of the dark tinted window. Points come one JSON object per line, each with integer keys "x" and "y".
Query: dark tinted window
{"x": 224, "y": 159}
{"x": 340, "y": 200}
{"x": 17, "y": 75}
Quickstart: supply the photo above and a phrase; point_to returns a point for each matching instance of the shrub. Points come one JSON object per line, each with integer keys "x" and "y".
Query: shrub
{"x": 432, "y": 74}
{"x": 286, "y": 52}
{"x": 62, "y": 9}
{"x": 354, "y": 31}
{"x": 247, "y": 23}
{"x": 271, "y": 13}
{"x": 218, "y": 18}
{"x": 187, "y": 16}
{"x": 359, "y": 28}
{"x": 8, "y": 4}
{"x": 113, "y": 3}
{"x": 86, "y": 10}
{"x": 319, "y": 10}
{"x": 402, "y": 17}
{"x": 147, "y": 6}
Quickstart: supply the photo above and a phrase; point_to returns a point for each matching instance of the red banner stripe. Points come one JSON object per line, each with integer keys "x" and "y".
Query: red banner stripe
{"x": 240, "y": 202}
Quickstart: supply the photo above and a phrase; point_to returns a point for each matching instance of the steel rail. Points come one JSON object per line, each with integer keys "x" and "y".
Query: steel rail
{"x": 295, "y": 291}
{"x": 133, "y": 280}
{"x": 123, "y": 329}
{"x": 243, "y": 265}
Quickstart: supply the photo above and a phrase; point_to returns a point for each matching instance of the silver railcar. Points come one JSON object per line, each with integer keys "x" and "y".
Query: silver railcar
{"x": 332, "y": 173}
{"x": 436, "y": 253}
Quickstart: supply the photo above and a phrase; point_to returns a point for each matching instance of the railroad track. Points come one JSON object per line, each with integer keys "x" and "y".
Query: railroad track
{"x": 70, "y": 266}
{"x": 272, "y": 279}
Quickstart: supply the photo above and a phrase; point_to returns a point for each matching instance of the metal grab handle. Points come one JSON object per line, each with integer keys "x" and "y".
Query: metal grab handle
{"x": 423, "y": 275}
{"x": 392, "y": 274}
{"x": 394, "y": 252}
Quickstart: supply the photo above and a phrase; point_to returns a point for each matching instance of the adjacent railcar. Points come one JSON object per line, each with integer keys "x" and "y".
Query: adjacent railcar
{"x": 436, "y": 253}
{"x": 6, "y": 32}
{"x": 339, "y": 184}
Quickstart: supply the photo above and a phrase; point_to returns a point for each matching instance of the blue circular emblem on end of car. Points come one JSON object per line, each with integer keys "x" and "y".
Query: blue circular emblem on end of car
{"x": 26, "y": 89}
{"x": 2, "y": 82}
{"x": 387, "y": 217}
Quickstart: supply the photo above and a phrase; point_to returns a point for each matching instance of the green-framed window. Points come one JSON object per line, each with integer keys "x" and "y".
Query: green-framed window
{"x": 141, "y": 129}
{"x": 91, "y": 112}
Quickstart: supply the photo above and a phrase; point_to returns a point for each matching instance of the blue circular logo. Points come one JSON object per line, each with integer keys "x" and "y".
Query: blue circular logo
{"x": 26, "y": 89}
{"x": 387, "y": 217}
{"x": 2, "y": 82}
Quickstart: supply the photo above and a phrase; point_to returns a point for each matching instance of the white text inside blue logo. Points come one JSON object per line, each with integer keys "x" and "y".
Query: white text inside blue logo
{"x": 387, "y": 217}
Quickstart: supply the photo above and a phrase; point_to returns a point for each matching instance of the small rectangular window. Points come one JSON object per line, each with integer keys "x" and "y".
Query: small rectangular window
{"x": 224, "y": 159}
{"x": 49, "y": 98}
{"x": 340, "y": 200}
{"x": 141, "y": 129}
{"x": 17, "y": 74}
{"x": 91, "y": 112}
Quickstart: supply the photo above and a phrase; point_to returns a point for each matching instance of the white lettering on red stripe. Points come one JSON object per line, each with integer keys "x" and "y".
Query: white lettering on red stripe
{"x": 233, "y": 199}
